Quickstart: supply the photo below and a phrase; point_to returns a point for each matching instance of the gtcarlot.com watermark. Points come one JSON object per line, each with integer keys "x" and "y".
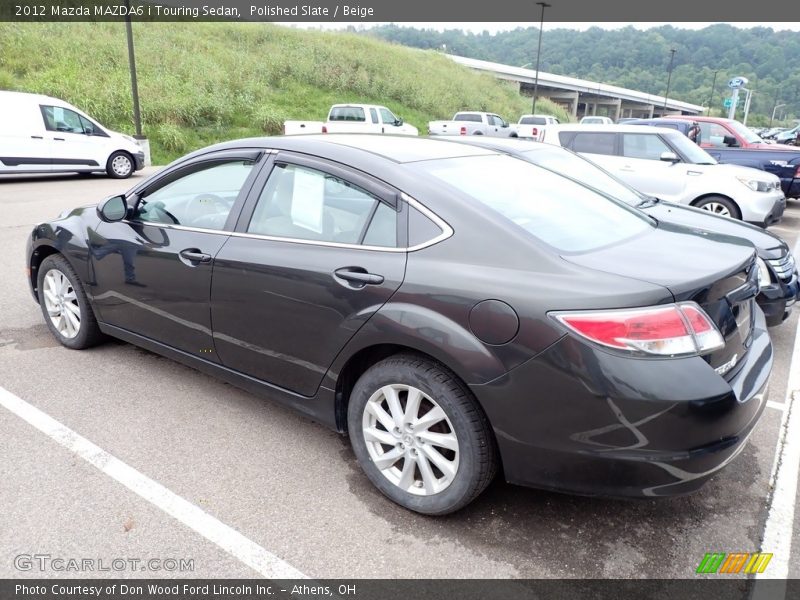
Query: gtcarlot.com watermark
{"x": 62, "y": 564}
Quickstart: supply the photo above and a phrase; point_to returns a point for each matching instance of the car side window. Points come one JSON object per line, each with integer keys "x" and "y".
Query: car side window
{"x": 387, "y": 116}
{"x": 61, "y": 119}
{"x": 647, "y": 146}
{"x": 594, "y": 143}
{"x": 307, "y": 204}
{"x": 713, "y": 134}
{"x": 202, "y": 199}
{"x": 373, "y": 115}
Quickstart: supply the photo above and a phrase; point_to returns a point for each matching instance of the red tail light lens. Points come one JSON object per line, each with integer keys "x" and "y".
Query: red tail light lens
{"x": 797, "y": 171}
{"x": 670, "y": 330}
{"x": 535, "y": 132}
{"x": 324, "y": 129}
{"x": 463, "y": 130}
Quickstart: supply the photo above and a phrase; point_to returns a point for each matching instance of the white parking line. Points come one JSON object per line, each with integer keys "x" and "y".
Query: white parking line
{"x": 227, "y": 538}
{"x": 777, "y": 537}
{"x": 776, "y": 405}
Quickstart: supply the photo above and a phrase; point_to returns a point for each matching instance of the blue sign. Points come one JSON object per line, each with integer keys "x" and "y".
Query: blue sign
{"x": 727, "y": 103}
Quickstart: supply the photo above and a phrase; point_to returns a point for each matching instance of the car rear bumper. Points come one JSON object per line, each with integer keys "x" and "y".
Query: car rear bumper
{"x": 582, "y": 420}
{"x": 138, "y": 158}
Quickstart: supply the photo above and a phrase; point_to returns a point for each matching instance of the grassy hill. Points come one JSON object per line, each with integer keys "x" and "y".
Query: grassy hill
{"x": 201, "y": 83}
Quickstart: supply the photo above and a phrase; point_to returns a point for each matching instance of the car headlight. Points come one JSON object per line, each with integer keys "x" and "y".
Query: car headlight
{"x": 756, "y": 185}
{"x": 764, "y": 278}
{"x": 131, "y": 139}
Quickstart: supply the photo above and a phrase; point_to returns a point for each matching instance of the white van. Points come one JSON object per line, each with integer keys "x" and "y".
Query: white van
{"x": 39, "y": 134}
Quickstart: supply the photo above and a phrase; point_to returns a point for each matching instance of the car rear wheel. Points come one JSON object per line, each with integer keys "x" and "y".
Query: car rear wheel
{"x": 120, "y": 165}
{"x": 720, "y": 206}
{"x": 64, "y": 305}
{"x": 420, "y": 436}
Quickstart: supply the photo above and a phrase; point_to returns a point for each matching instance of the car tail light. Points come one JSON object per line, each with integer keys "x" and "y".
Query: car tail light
{"x": 797, "y": 171}
{"x": 670, "y": 330}
{"x": 324, "y": 129}
{"x": 463, "y": 130}
{"x": 535, "y": 132}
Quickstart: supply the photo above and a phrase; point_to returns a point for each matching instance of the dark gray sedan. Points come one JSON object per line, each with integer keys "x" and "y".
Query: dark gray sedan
{"x": 454, "y": 309}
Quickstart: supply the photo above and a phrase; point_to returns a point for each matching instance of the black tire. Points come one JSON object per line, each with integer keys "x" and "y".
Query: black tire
{"x": 120, "y": 165}
{"x": 478, "y": 133}
{"x": 88, "y": 333}
{"x": 729, "y": 204}
{"x": 476, "y": 449}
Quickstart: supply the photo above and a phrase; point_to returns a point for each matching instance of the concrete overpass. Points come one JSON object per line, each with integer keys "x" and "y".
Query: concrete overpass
{"x": 581, "y": 97}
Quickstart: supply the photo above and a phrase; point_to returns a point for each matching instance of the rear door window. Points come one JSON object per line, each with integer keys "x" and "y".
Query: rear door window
{"x": 592, "y": 142}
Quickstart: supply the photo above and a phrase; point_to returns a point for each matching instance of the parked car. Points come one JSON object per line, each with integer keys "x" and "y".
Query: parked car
{"x": 664, "y": 163}
{"x": 40, "y": 134}
{"x": 409, "y": 293}
{"x": 472, "y": 123}
{"x": 353, "y": 118}
{"x": 789, "y": 137}
{"x": 594, "y": 120}
{"x": 717, "y": 132}
{"x": 779, "y": 281}
{"x": 532, "y": 126}
{"x": 784, "y": 164}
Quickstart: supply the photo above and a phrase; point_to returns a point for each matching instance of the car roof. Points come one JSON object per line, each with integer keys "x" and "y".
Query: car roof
{"x": 343, "y": 147}
{"x": 613, "y": 128}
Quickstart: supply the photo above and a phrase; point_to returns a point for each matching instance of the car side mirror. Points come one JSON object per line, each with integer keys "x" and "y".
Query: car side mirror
{"x": 113, "y": 209}
{"x": 398, "y": 121}
{"x": 504, "y": 124}
{"x": 669, "y": 157}
{"x": 729, "y": 140}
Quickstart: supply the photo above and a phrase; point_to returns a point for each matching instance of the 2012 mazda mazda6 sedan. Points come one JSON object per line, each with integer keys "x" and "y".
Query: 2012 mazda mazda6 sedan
{"x": 454, "y": 309}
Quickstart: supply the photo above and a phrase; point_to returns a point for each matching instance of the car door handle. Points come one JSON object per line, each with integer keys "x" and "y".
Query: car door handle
{"x": 36, "y": 137}
{"x": 358, "y": 276}
{"x": 194, "y": 255}
{"x": 58, "y": 139}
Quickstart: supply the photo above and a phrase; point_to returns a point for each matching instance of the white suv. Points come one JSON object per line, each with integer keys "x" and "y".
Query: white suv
{"x": 664, "y": 163}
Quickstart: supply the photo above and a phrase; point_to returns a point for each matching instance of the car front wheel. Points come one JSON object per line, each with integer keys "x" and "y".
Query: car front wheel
{"x": 420, "y": 436}
{"x": 120, "y": 165}
{"x": 64, "y": 305}
{"x": 720, "y": 206}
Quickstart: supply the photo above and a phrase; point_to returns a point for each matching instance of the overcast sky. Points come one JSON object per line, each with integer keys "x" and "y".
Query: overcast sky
{"x": 495, "y": 27}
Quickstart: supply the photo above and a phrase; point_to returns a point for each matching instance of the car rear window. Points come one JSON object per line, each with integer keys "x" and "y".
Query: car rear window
{"x": 473, "y": 117}
{"x": 347, "y": 113}
{"x": 533, "y": 121}
{"x": 561, "y": 213}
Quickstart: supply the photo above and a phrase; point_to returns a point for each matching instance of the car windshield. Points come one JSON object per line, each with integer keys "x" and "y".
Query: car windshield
{"x": 749, "y": 136}
{"x": 557, "y": 211}
{"x": 584, "y": 171}
{"x": 693, "y": 153}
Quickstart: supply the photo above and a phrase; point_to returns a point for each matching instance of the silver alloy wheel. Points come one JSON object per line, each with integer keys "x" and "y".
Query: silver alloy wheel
{"x": 61, "y": 303}
{"x": 121, "y": 165}
{"x": 417, "y": 453}
{"x": 717, "y": 209}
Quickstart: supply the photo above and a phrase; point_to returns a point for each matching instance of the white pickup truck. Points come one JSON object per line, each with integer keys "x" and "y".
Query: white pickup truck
{"x": 353, "y": 118}
{"x": 472, "y": 123}
{"x": 532, "y": 126}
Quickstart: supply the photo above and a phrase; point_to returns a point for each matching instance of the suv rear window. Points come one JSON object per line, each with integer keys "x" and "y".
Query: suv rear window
{"x": 561, "y": 213}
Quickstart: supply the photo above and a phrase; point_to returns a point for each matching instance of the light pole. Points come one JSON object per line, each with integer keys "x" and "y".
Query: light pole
{"x": 137, "y": 115}
{"x": 669, "y": 76}
{"x": 538, "y": 54}
{"x": 711, "y": 99}
{"x": 772, "y": 118}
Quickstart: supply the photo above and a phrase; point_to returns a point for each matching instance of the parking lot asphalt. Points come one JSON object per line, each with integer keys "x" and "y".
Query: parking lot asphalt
{"x": 289, "y": 486}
